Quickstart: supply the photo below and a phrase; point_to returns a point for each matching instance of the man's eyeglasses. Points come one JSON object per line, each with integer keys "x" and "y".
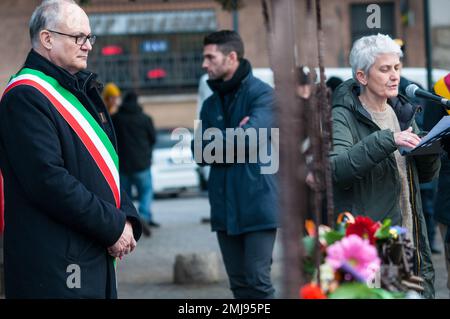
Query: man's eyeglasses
{"x": 79, "y": 39}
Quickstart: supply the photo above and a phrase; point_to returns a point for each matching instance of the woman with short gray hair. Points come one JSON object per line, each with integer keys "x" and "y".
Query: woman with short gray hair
{"x": 371, "y": 121}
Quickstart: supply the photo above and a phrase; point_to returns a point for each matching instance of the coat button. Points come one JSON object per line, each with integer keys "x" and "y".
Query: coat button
{"x": 220, "y": 118}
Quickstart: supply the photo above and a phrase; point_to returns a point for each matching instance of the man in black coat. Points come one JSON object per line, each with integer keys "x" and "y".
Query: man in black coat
{"x": 135, "y": 139}
{"x": 66, "y": 218}
{"x": 242, "y": 186}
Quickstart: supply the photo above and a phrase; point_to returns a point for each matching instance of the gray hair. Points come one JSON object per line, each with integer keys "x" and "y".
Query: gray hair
{"x": 366, "y": 49}
{"x": 46, "y": 15}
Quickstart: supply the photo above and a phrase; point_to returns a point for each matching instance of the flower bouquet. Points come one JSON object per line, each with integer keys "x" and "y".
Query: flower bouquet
{"x": 359, "y": 259}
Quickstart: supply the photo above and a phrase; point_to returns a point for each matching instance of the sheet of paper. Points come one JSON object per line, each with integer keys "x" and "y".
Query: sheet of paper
{"x": 430, "y": 143}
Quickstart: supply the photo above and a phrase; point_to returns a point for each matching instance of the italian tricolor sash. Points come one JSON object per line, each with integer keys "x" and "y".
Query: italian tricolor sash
{"x": 80, "y": 120}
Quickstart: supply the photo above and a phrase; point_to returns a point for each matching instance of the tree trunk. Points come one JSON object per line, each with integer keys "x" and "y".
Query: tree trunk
{"x": 290, "y": 117}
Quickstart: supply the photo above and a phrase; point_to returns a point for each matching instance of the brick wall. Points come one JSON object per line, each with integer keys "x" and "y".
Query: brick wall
{"x": 15, "y": 43}
{"x": 14, "y": 16}
{"x": 441, "y": 47}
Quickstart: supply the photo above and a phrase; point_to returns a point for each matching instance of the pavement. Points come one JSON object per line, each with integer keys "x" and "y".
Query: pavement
{"x": 148, "y": 271}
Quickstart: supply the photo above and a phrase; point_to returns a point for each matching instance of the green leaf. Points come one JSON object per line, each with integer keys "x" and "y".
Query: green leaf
{"x": 333, "y": 236}
{"x": 383, "y": 231}
{"x": 309, "y": 245}
{"x": 356, "y": 290}
{"x": 309, "y": 267}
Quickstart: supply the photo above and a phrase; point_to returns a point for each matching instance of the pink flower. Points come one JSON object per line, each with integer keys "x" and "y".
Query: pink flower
{"x": 355, "y": 252}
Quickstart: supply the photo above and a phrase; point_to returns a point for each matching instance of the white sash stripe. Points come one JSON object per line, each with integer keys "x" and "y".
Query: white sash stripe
{"x": 81, "y": 121}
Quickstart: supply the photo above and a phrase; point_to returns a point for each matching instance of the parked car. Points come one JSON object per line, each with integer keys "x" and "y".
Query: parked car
{"x": 417, "y": 75}
{"x": 173, "y": 168}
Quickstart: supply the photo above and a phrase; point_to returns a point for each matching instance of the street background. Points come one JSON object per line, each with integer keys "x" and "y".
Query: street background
{"x": 155, "y": 47}
{"x": 148, "y": 271}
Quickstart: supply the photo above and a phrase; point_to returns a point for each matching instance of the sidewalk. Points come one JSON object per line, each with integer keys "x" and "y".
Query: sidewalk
{"x": 148, "y": 272}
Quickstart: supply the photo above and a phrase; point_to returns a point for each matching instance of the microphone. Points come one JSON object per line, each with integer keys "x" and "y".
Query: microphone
{"x": 413, "y": 91}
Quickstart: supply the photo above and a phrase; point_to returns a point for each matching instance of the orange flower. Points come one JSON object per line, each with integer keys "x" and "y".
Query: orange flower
{"x": 312, "y": 291}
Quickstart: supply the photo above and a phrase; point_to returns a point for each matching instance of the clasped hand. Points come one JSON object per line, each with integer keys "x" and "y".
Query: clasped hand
{"x": 125, "y": 244}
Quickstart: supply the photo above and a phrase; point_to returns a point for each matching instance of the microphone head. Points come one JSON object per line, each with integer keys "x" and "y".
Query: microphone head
{"x": 411, "y": 90}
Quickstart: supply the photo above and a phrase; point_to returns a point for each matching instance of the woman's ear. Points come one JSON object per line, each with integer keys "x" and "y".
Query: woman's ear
{"x": 361, "y": 77}
{"x": 46, "y": 39}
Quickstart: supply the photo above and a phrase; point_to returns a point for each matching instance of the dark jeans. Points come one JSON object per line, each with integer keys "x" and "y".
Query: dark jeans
{"x": 143, "y": 182}
{"x": 248, "y": 260}
{"x": 444, "y": 229}
{"x": 428, "y": 198}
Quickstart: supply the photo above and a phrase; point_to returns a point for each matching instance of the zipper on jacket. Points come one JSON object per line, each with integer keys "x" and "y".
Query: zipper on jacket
{"x": 86, "y": 81}
{"x": 414, "y": 211}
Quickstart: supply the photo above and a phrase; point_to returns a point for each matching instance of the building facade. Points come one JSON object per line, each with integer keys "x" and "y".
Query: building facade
{"x": 155, "y": 46}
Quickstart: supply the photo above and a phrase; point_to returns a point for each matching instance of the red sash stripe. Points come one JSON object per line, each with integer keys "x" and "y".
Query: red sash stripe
{"x": 79, "y": 131}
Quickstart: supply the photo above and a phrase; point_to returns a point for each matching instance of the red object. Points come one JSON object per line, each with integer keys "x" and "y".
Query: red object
{"x": 156, "y": 74}
{"x": 112, "y": 50}
{"x": 312, "y": 291}
{"x": 364, "y": 227}
{"x": 79, "y": 131}
{"x": 2, "y": 205}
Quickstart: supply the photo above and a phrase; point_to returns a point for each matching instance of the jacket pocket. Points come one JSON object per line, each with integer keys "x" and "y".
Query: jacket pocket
{"x": 77, "y": 245}
{"x": 379, "y": 171}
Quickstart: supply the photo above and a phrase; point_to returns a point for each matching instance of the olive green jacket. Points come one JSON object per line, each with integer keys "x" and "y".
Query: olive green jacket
{"x": 365, "y": 175}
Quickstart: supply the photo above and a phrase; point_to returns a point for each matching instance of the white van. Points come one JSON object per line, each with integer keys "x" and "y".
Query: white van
{"x": 417, "y": 75}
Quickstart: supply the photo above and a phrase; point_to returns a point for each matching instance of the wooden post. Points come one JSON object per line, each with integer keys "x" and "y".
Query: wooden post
{"x": 299, "y": 119}
{"x": 281, "y": 39}
{"x": 325, "y": 111}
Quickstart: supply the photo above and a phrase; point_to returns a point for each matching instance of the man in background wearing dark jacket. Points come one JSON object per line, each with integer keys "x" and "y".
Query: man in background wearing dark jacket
{"x": 135, "y": 139}
{"x": 243, "y": 200}
{"x": 66, "y": 217}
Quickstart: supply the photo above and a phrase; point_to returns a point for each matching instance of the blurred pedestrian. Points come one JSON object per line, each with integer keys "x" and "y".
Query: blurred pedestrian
{"x": 2, "y": 282}
{"x": 371, "y": 121}
{"x": 433, "y": 113}
{"x": 65, "y": 214}
{"x": 135, "y": 138}
{"x": 2, "y": 206}
{"x": 306, "y": 82}
{"x": 243, "y": 200}
{"x": 306, "y": 88}
{"x": 112, "y": 96}
{"x": 333, "y": 82}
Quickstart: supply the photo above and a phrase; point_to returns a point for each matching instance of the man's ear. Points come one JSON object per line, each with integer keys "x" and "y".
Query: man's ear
{"x": 233, "y": 56}
{"x": 46, "y": 39}
{"x": 361, "y": 77}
